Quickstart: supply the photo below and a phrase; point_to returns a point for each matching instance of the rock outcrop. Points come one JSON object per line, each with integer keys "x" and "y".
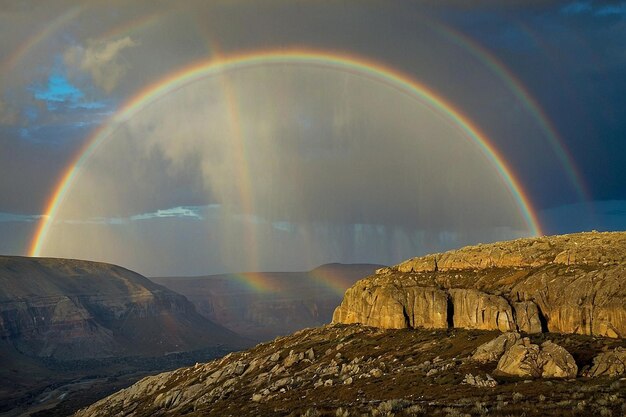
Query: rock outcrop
{"x": 565, "y": 284}
{"x": 528, "y": 360}
{"x": 494, "y": 349}
{"x": 69, "y": 309}
{"x": 610, "y": 363}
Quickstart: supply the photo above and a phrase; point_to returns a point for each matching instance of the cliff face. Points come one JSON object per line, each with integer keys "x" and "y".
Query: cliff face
{"x": 565, "y": 284}
{"x": 70, "y": 309}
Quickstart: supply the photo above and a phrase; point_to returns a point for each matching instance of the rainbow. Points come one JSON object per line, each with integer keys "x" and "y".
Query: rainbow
{"x": 518, "y": 89}
{"x": 334, "y": 281}
{"x": 340, "y": 61}
{"x": 55, "y": 24}
{"x": 259, "y": 282}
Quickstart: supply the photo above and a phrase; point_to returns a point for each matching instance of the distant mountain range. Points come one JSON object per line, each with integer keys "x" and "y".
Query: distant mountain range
{"x": 264, "y": 305}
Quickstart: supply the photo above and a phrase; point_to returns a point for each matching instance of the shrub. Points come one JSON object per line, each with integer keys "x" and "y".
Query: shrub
{"x": 393, "y": 405}
{"x": 311, "y": 412}
{"x": 340, "y": 412}
{"x": 414, "y": 410}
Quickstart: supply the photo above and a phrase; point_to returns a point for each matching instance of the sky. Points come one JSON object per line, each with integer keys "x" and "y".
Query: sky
{"x": 203, "y": 137}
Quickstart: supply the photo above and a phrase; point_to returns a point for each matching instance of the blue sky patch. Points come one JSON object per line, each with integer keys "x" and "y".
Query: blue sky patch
{"x": 59, "y": 91}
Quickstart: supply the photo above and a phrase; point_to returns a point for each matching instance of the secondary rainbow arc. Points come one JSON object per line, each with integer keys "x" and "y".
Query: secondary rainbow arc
{"x": 340, "y": 61}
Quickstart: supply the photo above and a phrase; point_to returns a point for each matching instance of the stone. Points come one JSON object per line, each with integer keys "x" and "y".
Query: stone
{"x": 528, "y": 360}
{"x": 291, "y": 359}
{"x": 522, "y": 359}
{"x": 239, "y": 369}
{"x": 310, "y": 354}
{"x": 557, "y": 362}
{"x": 494, "y": 349}
{"x": 328, "y": 383}
{"x": 478, "y": 381}
{"x": 275, "y": 357}
{"x": 611, "y": 364}
{"x": 376, "y": 373}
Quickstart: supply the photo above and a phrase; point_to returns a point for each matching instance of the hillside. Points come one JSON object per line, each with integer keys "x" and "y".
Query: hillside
{"x": 62, "y": 320}
{"x": 353, "y": 370}
{"x": 264, "y": 305}
{"x": 442, "y": 359}
{"x": 70, "y": 309}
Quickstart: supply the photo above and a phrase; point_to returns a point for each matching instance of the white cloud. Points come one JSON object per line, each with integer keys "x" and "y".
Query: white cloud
{"x": 13, "y": 217}
{"x": 101, "y": 60}
{"x": 192, "y": 212}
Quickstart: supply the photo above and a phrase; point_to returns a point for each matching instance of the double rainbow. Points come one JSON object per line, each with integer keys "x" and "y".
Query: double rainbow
{"x": 339, "y": 61}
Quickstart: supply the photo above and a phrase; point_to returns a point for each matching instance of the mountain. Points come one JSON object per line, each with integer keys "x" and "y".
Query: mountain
{"x": 62, "y": 320}
{"x": 264, "y": 305}
{"x": 427, "y": 347}
{"x": 71, "y": 309}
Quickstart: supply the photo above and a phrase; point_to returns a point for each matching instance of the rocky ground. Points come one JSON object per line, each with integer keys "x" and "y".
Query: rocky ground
{"x": 354, "y": 370}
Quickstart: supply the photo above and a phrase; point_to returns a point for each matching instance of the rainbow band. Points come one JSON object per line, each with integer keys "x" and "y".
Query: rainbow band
{"x": 531, "y": 105}
{"x": 340, "y": 61}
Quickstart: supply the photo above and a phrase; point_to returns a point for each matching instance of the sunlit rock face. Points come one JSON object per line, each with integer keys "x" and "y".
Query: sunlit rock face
{"x": 70, "y": 309}
{"x": 566, "y": 284}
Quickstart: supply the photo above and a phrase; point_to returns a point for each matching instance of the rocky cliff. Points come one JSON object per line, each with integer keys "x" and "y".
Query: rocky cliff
{"x": 566, "y": 284}
{"x": 69, "y": 309}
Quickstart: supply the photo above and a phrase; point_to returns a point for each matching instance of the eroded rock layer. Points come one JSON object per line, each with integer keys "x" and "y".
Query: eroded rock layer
{"x": 70, "y": 309}
{"x": 566, "y": 284}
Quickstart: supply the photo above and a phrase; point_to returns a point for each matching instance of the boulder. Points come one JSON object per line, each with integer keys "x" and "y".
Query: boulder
{"x": 557, "y": 362}
{"x": 612, "y": 363}
{"x": 528, "y": 360}
{"x": 522, "y": 359}
{"x": 494, "y": 349}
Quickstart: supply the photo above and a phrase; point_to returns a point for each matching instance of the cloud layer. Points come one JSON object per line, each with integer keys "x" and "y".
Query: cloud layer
{"x": 102, "y": 60}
